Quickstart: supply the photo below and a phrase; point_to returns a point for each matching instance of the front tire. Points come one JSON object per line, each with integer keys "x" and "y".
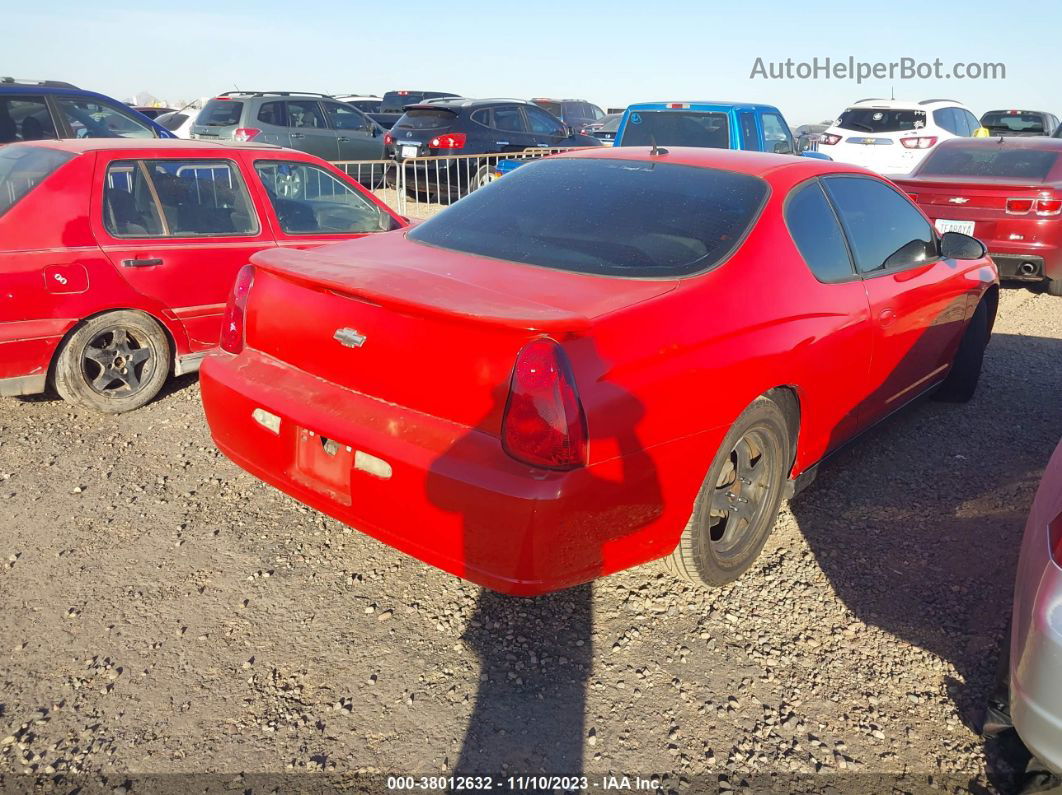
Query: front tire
{"x": 113, "y": 363}
{"x": 961, "y": 383}
{"x": 737, "y": 505}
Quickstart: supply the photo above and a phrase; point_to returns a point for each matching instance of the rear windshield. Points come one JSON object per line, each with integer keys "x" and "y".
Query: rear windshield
{"x": 989, "y": 159}
{"x": 22, "y": 168}
{"x": 425, "y": 119}
{"x": 171, "y": 121}
{"x": 394, "y": 101}
{"x": 881, "y": 120}
{"x": 615, "y": 217}
{"x": 221, "y": 113}
{"x": 556, "y": 108}
{"x": 1028, "y": 123}
{"x": 676, "y": 128}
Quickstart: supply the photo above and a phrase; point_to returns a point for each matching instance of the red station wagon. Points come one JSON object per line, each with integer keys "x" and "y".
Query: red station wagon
{"x": 117, "y": 256}
{"x": 605, "y": 358}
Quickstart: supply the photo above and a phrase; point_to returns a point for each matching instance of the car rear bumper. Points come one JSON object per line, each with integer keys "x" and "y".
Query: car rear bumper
{"x": 441, "y": 492}
{"x": 1045, "y": 261}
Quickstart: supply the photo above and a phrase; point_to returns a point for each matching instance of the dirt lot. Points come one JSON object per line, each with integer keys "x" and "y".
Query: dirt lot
{"x": 165, "y": 613}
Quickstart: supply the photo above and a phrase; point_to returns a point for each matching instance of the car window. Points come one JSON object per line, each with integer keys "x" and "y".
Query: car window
{"x": 424, "y": 119}
{"x": 270, "y": 113}
{"x": 22, "y": 168}
{"x": 308, "y": 199}
{"x": 972, "y": 122}
{"x": 346, "y": 118}
{"x": 604, "y": 216}
{"x": 1005, "y": 122}
{"x": 509, "y": 120}
{"x": 776, "y": 135}
{"x": 882, "y": 120}
{"x": 305, "y": 114}
{"x": 597, "y": 113}
{"x": 24, "y": 118}
{"x": 884, "y": 229}
{"x": 556, "y": 108}
{"x": 945, "y": 119}
{"x": 197, "y": 198}
{"x": 817, "y": 234}
{"x": 676, "y": 128}
{"x": 749, "y": 136}
{"x": 542, "y": 123}
{"x": 92, "y": 119}
{"x": 172, "y": 121}
{"x": 221, "y": 113}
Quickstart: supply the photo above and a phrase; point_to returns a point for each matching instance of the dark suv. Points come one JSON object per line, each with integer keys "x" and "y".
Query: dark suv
{"x": 395, "y": 102}
{"x": 576, "y": 113}
{"x": 49, "y": 109}
{"x": 448, "y": 128}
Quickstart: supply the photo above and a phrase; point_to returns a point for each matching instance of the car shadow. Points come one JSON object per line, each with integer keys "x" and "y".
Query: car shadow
{"x": 535, "y": 654}
{"x": 937, "y": 567}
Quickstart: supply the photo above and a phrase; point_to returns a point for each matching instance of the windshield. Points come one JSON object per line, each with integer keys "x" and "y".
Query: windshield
{"x": 22, "y": 168}
{"x": 1005, "y": 122}
{"x": 676, "y": 128}
{"x": 989, "y": 159}
{"x": 603, "y": 216}
{"x": 881, "y": 120}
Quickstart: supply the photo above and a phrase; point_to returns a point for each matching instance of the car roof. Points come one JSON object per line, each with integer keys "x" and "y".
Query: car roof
{"x": 551, "y": 99}
{"x": 700, "y": 104}
{"x": 465, "y": 102}
{"x": 81, "y": 145}
{"x": 48, "y": 87}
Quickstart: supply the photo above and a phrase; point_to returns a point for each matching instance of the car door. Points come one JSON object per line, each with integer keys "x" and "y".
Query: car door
{"x": 918, "y": 301}
{"x": 177, "y": 230}
{"x": 358, "y": 138}
{"x": 309, "y": 130}
{"x": 546, "y": 130}
{"x": 777, "y": 137}
{"x": 509, "y": 126}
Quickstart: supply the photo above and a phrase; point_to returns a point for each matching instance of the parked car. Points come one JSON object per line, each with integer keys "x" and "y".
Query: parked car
{"x": 456, "y": 127}
{"x": 367, "y": 105}
{"x": 1005, "y": 191}
{"x": 394, "y": 103}
{"x": 152, "y": 111}
{"x": 715, "y": 125}
{"x": 314, "y": 123}
{"x": 576, "y": 113}
{"x": 605, "y": 129}
{"x": 179, "y": 122}
{"x": 1019, "y": 122}
{"x": 893, "y": 136}
{"x": 563, "y": 310}
{"x": 809, "y": 135}
{"x": 1036, "y": 628}
{"x": 118, "y": 256}
{"x": 50, "y": 109}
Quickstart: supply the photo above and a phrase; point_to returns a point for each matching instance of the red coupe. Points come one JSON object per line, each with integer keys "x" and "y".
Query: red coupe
{"x": 116, "y": 256}
{"x": 605, "y": 358}
{"x": 1006, "y": 192}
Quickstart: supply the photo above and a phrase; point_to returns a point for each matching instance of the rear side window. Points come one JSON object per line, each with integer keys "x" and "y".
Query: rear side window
{"x": 817, "y": 234}
{"x": 270, "y": 113}
{"x": 24, "y": 118}
{"x": 426, "y": 120}
{"x": 509, "y": 120}
{"x": 177, "y": 198}
{"x": 221, "y": 113}
{"x": 946, "y": 119}
{"x": 988, "y": 159}
{"x": 22, "y": 168}
{"x": 91, "y": 119}
{"x": 677, "y": 128}
{"x": 615, "y": 217}
{"x": 884, "y": 229}
{"x": 881, "y": 120}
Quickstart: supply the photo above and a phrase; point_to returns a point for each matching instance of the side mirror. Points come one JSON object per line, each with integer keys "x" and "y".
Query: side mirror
{"x": 803, "y": 145}
{"x": 782, "y": 148}
{"x": 955, "y": 245}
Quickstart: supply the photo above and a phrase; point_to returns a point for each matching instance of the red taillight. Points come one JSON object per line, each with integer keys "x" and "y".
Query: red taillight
{"x": 919, "y": 142}
{"x": 245, "y": 134}
{"x": 1020, "y": 206}
{"x": 233, "y": 323}
{"x": 1055, "y": 534}
{"x": 389, "y": 140}
{"x": 913, "y": 196}
{"x": 448, "y": 141}
{"x": 544, "y": 424}
{"x": 1048, "y": 206}
{"x": 829, "y": 139}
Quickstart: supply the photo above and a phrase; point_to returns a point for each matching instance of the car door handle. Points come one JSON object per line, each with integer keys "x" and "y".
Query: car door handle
{"x": 297, "y": 135}
{"x": 887, "y": 317}
{"x": 502, "y": 143}
{"x": 141, "y": 263}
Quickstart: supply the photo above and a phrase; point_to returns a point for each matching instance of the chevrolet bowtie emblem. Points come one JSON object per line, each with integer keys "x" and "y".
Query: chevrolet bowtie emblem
{"x": 958, "y": 200}
{"x": 349, "y": 337}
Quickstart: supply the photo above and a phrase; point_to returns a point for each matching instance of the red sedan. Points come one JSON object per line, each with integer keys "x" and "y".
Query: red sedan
{"x": 117, "y": 256}
{"x": 605, "y": 358}
{"x": 1006, "y": 192}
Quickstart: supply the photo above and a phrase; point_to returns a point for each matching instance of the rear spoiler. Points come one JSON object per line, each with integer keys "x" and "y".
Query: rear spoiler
{"x": 943, "y": 182}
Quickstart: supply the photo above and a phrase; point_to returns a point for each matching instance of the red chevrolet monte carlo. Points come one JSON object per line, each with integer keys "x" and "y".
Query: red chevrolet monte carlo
{"x": 116, "y": 256}
{"x": 1004, "y": 191}
{"x": 605, "y": 358}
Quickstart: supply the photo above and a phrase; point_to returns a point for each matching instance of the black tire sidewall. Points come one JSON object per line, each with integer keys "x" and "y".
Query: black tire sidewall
{"x": 961, "y": 382}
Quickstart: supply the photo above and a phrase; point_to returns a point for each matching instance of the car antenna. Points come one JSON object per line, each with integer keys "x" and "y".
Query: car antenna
{"x": 655, "y": 150}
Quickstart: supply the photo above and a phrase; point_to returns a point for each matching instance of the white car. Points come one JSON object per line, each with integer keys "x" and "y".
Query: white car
{"x": 179, "y": 122}
{"x": 892, "y": 136}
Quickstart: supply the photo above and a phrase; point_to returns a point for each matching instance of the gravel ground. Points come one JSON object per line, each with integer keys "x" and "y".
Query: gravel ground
{"x": 164, "y": 612}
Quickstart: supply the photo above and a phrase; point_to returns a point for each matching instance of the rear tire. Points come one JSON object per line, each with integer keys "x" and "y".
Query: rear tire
{"x": 961, "y": 383}
{"x": 737, "y": 505}
{"x": 113, "y": 363}
{"x": 1054, "y": 287}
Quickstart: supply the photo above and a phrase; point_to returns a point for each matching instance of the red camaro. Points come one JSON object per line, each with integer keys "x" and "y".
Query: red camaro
{"x": 116, "y": 256}
{"x": 605, "y": 358}
{"x": 1006, "y": 192}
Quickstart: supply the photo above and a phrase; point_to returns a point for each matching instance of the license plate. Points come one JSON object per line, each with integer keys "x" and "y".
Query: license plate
{"x": 323, "y": 464}
{"x": 963, "y": 227}
{"x": 409, "y": 151}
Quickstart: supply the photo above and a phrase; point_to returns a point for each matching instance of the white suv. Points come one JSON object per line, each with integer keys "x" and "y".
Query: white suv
{"x": 892, "y": 136}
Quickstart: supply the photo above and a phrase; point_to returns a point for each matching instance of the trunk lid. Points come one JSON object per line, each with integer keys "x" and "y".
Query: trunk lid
{"x": 425, "y": 328}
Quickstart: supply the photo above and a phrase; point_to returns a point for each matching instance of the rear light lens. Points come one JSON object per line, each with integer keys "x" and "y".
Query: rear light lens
{"x": 829, "y": 139}
{"x": 919, "y": 142}
{"x": 1048, "y": 206}
{"x": 1020, "y": 206}
{"x": 245, "y": 134}
{"x": 1055, "y": 534}
{"x": 389, "y": 140}
{"x": 544, "y": 424}
{"x": 232, "y": 328}
{"x": 913, "y": 196}
{"x": 448, "y": 141}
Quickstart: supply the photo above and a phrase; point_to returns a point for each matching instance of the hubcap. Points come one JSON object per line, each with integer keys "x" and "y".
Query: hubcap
{"x": 117, "y": 362}
{"x": 740, "y": 495}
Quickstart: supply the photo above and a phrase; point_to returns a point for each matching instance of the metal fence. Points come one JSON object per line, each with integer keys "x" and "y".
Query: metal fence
{"x": 418, "y": 187}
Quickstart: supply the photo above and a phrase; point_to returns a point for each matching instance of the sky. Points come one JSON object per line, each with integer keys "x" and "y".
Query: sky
{"x": 611, "y": 53}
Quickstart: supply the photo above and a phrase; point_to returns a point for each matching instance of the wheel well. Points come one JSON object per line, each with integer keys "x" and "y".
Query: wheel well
{"x": 787, "y": 399}
{"x": 84, "y": 320}
{"x": 991, "y": 299}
